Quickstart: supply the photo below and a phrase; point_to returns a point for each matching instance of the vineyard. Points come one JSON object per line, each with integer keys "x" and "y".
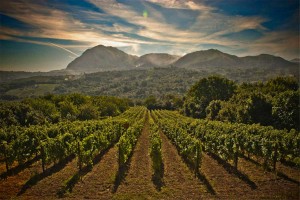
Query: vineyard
{"x": 144, "y": 154}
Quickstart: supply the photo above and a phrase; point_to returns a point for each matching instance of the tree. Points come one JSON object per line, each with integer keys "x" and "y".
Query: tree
{"x": 204, "y": 91}
{"x": 247, "y": 108}
{"x": 88, "y": 111}
{"x": 286, "y": 110}
{"x": 44, "y": 108}
{"x": 281, "y": 84}
{"x": 151, "y": 102}
{"x": 68, "y": 110}
{"x": 213, "y": 109}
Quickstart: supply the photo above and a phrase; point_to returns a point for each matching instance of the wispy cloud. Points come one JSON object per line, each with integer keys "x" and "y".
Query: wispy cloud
{"x": 123, "y": 25}
{"x": 67, "y": 50}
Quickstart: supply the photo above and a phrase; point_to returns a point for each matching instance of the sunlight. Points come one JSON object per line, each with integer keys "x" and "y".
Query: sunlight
{"x": 145, "y": 13}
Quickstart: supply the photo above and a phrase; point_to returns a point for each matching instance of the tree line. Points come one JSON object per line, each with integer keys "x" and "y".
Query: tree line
{"x": 271, "y": 103}
{"x": 55, "y": 108}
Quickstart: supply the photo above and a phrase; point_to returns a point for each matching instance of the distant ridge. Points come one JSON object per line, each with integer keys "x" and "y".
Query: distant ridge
{"x": 216, "y": 59}
{"x": 295, "y": 60}
{"x": 102, "y": 58}
{"x": 156, "y": 60}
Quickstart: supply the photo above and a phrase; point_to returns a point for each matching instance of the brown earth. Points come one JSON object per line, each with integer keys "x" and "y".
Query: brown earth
{"x": 12, "y": 185}
{"x": 138, "y": 183}
{"x": 48, "y": 187}
{"x": 98, "y": 183}
{"x": 178, "y": 181}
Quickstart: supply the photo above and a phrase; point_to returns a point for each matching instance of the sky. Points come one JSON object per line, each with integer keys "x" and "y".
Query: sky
{"x": 44, "y": 35}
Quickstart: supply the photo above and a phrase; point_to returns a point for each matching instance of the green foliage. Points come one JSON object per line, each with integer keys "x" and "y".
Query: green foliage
{"x": 231, "y": 140}
{"x": 128, "y": 140}
{"x": 56, "y": 142}
{"x": 68, "y": 110}
{"x": 204, "y": 91}
{"x": 155, "y": 152}
{"x": 55, "y": 108}
{"x": 213, "y": 109}
{"x": 188, "y": 147}
{"x": 286, "y": 110}
{"x": 247, "y": 108}
{"x": 274, "y": 102}
{"x": 88, "y": 111}
{"x": 281, "y": 84}
{"x": 151, "y": 102}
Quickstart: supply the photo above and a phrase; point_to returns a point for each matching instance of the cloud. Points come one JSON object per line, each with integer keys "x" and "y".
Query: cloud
{"x": 207, "y": 28}
{"x": 67, "y": 50}
{"x": 123, "y": 25}
{"x": 182, "y": 4}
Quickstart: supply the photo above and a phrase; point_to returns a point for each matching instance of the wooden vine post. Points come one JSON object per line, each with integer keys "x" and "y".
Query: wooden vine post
{"x": 197, "y": 161}
{"x": 275, "y": 157}
{"x": 43, "y": 157}
{"x": 4, "y": 149}
{"x": 236, "y": 156}
{"x": 79, "y": 156}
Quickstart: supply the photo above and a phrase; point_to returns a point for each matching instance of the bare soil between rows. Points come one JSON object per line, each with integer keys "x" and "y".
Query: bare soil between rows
{"x": 178, "y": 181}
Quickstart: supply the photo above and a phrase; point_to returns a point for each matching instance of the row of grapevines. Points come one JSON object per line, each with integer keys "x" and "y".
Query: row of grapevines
{"x": 53, "y": 142}
{"x": 129, "y": 138}
{"x": 188, "y": 147}
{"x": 132, "y": 114}
{"x": 231, "y": 140}
{"x": 87, "y": 145}
{"x": 155, "y": 151}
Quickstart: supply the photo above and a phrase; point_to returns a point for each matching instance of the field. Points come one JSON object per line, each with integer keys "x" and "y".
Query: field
{"x": 104, "y": 175}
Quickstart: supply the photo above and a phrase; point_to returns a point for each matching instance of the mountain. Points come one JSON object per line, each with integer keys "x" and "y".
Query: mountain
{"x": 216, "y": 59}
{"x": 266, "y": 61}
{"x": 102, "y": 58}
{"x": 212, "y": 61}
{"x": 295, "y": 60}
{"x": 206, "y": 58}
{"x": 156, "y": 60}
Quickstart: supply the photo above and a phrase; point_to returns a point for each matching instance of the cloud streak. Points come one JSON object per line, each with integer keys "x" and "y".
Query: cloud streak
{"x": 123, "y": 25}
{"x": 67, "y": 50}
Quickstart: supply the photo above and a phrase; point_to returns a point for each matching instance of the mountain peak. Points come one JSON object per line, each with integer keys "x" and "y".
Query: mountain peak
{"x": 102, "y": 58}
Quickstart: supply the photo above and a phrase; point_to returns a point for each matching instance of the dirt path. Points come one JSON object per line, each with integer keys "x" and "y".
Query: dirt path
{"x": 12, "y": 185}
{"x": 179, "y": 181}
{"x": 226, "y": 185}
{"x": 98, "y": 183}
{"x": 291, "y": 172}
{"x": 48, "y": 187}
{"x": 268, "y": 185}
{"x": 138, "y": 183}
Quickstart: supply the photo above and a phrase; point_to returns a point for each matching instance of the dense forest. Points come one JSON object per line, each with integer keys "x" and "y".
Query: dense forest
{"x": 56, "y": 108}
{"x": 133, "y": 84}
{"x": 274, "y": 102}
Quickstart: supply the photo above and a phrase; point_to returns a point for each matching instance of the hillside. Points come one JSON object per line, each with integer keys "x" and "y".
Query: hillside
{"x": 136, "y": 83}
{"x": 156, "y": 60}
{"x": 101, "y": 58}
{"x": 217, "y": 61}
{"x": 212, "y": 61}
